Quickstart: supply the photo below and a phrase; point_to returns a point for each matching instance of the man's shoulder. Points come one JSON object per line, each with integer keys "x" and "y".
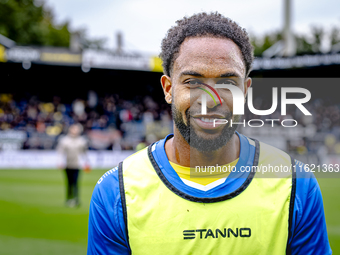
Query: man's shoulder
{"x": 306, "y": 181}
{"x": 83, "y": 138}
{"x": 276, "y": 156}
{"x": 271, "y": 154}
{"x": 107, "y": 188}
{"x": 109, "y": 176}
{"x": 110, "y": 179}
{"x": 274, "y": 153}
{"x": 62, "y": 138}
{"x": 270, "y": 149}
{"x": 263, "y": 146}
{"x": 137, "y": 157}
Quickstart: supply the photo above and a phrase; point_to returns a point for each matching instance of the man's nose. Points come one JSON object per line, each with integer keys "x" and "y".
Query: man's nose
{"x": 208, "y": 101}
{"x": 212, "y": 100}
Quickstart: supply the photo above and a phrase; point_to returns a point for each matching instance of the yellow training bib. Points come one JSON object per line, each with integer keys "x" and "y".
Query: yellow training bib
{"x": 160, "y": 219}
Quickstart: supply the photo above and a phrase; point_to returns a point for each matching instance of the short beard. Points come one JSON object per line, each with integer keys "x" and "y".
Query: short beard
{"x": 197, "y": 142}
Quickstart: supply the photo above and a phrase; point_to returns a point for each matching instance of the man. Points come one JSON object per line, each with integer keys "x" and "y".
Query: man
{"x": 72, "y": 147}
{"x": 155, "y": 202}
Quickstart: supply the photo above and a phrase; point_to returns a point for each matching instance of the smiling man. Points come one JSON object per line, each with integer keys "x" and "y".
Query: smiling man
{"x": 204, "y": 60}
{"x": 156, "y": 202}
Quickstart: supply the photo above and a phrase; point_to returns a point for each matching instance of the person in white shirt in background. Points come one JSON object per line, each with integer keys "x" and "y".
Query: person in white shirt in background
{"x": 70, "y": 148}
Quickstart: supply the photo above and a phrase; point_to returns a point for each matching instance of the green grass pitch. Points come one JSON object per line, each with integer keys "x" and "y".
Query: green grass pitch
{"x": 34, "y": 220}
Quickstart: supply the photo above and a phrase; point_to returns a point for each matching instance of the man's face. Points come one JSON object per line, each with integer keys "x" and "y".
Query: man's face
{"x": 74, "y": 130}
{"x": 206, "y": 61}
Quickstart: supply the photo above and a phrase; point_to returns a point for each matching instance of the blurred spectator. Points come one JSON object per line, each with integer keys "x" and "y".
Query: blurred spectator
{"x": 72, "y": 147}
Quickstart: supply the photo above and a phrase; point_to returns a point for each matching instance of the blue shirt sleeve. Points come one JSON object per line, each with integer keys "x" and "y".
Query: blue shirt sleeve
{"x": 106, "y": 223}
{"x": 309, "y": 231}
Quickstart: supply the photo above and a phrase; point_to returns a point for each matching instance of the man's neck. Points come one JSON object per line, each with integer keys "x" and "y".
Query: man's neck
{"x": 180, "y": 152}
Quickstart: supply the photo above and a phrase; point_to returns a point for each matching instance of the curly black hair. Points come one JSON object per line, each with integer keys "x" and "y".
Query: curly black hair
{"x": 203, "y": 24}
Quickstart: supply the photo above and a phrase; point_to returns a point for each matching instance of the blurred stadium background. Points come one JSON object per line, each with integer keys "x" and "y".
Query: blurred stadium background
{"x": 52, "y": 79}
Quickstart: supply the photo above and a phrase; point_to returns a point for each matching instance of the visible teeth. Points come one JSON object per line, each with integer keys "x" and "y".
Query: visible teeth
{"x": 207, "y": 120}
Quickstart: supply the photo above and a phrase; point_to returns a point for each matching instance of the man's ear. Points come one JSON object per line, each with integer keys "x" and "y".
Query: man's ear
{"x": 167, "y": 88}
{"x": 247, "y": 84}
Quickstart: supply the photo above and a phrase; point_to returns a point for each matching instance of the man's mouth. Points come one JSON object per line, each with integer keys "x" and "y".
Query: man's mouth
{"x": 210, "y": 122}
{"x": 209, "y": 119}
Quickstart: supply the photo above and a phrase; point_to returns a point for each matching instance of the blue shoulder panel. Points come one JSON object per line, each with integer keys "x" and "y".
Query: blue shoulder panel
{"x": 106, "y": 223}
{"x": 309, "y": 231}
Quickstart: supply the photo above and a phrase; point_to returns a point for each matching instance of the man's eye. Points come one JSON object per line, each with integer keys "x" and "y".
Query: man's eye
{"x": 194, "y": 82}
{"x": 226, "y": 81}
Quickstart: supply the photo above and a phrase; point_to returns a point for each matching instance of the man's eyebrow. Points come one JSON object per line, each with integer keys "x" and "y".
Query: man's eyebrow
{"x": 230, "y": 74}
{"x": 192, "y": 73}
